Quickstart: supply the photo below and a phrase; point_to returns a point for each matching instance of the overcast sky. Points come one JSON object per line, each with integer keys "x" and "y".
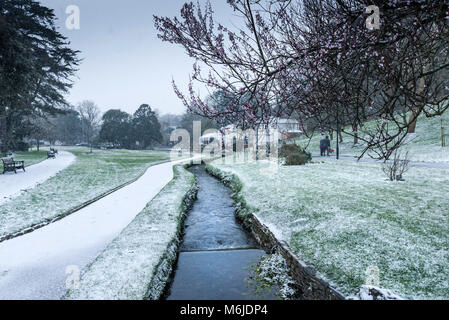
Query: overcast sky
{"x": 124, "y": 63}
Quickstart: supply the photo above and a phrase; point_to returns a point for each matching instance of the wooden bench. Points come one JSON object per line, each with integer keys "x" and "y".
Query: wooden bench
{"x": 55, "y": 151}
{"x": 51, "y": 155}
{"x": 9, "y": 165}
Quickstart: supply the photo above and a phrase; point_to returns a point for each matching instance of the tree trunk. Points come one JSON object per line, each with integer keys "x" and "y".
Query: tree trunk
{"x": 257, "y": 143}
{"x": 415, "y": 112}
{"x": 268, "y": 151}
{"x": 223, "y": 146}
{"x": 331, "y": 134}
{"x": 3, "y": 137}
{"x": 443, "y": 137}
{"x": 356, "y": 134}
{"x": 340, "y": 136}
{"x": 413, "y": 120}
{"x": 38, "y": 145}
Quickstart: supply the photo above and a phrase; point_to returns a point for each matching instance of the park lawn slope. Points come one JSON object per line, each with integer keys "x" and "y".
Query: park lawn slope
{"x": 344, "y": 218}
{"x": 423, "y": 145}
{"x": 137, "y": 264}
{"x": 91, "y": 176}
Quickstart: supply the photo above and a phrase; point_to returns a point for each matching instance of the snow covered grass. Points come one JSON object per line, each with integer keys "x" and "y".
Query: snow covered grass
{"x": 138, "y": 263}
{"x": 272, "y": 270}
{"x": 345, "y": 219}
{"x": 30, "y": 158}
{"x": 91, "y": 176}
{"x": 423, "y": 145}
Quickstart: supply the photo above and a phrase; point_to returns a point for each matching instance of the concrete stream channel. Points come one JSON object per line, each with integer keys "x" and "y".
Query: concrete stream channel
{"x": 217, "y": 256}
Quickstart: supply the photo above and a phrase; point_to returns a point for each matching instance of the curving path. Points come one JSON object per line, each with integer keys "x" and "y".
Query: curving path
{"x": 34, "y": 266}
{"x": 11, "y": 184}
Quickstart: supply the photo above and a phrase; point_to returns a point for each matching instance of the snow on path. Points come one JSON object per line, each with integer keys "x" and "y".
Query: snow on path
{"x": 12, "y": 185}
{"x": 34, "y": 266}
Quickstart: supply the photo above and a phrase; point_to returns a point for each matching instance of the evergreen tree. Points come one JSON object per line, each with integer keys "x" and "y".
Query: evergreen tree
{"x": 36, "y": 64}
{"x": 117, "y": 129}
{"x": 146, "y": 127}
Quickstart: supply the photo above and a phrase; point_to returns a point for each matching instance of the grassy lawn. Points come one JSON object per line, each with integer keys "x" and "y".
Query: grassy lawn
{"x": 344, "y": 217}
{"x": 143, "y": 254}
{"x": 423, "y": 145}
{"x": 89, "y": 177}
{"x": 30, "y": 158}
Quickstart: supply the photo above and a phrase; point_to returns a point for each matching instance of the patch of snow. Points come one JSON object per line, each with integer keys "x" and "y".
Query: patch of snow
{"x": 273, "y": 270}
{"x": 373, "y": 293}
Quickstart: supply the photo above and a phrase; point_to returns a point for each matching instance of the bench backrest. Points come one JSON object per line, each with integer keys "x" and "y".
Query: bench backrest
{"x": 8, "y": 161}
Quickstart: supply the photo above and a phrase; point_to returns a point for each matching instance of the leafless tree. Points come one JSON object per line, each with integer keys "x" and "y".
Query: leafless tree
{"x": 90, "y": 117}
{"x": 318, "y": 59}
{"x": 396, "y": 167}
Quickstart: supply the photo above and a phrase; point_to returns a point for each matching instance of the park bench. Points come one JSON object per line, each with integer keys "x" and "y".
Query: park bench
{"x": 55, "y": 151}
{"x": 9, "y": 165}
{"x": 51, "y": 155}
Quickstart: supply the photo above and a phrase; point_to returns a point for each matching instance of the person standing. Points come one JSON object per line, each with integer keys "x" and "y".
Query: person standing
{"x": 323, "y": 147}
{"x": 327, "y": 144}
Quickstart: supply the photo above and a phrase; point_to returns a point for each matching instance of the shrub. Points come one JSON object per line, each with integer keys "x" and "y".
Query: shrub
{"x": 294, "y": 155}
{"x": 395, "y": 168}
{"x": 297, "y": 159}
{"x": 287, "y": 149}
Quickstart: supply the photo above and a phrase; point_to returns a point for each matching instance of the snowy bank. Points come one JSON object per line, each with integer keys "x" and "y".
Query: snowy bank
{"x": 348, "y": 223}
{"x": 138, "y": 263}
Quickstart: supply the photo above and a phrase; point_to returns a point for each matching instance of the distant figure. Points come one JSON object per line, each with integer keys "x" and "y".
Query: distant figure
{"x": 325, "y": 145}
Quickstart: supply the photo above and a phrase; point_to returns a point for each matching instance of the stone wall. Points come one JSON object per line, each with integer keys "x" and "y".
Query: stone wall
{"x": 312, "y": 287}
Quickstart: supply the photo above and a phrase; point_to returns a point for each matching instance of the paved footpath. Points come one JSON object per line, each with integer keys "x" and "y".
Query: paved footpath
{"x": 11, "y": 184}
{"x": 37, "y": 265}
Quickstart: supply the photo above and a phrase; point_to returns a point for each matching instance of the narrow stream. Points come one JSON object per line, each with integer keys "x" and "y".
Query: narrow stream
{"x": 217, "y": 257}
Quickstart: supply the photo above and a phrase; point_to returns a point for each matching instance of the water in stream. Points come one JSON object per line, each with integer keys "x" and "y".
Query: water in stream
{"x": 217, "y": 256}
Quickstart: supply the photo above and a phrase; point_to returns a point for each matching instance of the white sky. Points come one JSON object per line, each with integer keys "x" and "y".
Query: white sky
{"x": 124, "y": 63}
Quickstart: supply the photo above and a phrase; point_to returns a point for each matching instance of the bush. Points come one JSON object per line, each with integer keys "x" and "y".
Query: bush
{"x": 297, "y": 159}
{"x": 294, "y": 155}
{"x": 287, "y": 149}
{"x": 395, "y": 168}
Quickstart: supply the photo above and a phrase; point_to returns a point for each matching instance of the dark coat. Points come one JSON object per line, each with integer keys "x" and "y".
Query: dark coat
{"x": 325, "y": 143}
